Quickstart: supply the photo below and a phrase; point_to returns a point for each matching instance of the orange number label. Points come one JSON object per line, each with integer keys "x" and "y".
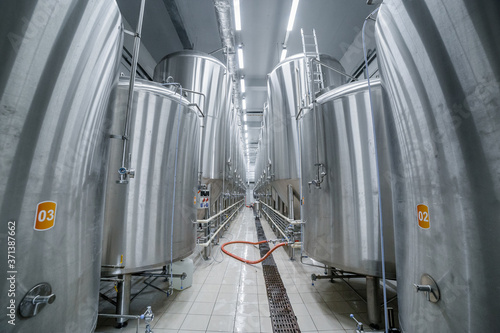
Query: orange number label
{"x": 45, "y": 215}
{"x": 423, "y": 217}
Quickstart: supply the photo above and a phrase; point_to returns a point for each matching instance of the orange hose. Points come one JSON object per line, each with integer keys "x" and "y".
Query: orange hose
{"x": 253, "y": 243}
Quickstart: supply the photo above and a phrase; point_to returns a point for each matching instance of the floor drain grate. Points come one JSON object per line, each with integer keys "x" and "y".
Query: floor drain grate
{"x": 282, "y": 316}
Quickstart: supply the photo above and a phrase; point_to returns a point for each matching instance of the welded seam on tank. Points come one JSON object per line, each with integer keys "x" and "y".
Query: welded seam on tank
{"x": 283, "y": 318}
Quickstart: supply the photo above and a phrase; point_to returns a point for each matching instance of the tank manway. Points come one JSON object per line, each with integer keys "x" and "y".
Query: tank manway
{"x": 282, "y": 316}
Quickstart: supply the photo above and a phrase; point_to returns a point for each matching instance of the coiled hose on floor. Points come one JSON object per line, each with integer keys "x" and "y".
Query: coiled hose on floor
{"x": 252, "y": 243}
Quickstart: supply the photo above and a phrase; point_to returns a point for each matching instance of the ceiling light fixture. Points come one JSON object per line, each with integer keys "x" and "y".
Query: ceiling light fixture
{"x": 242, "y": 84}
{"x": 246, "y": 127}
{"x": 283, "y": 54}
{"x": 244, "y": 104}
{"x": 245, "y": 117}
{"x": 240, "y": 57}
{"x": 291, "y": 19}
{"x": 237, "y": 17}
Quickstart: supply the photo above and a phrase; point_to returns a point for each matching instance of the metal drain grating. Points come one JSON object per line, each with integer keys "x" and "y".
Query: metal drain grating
{"x": 282, "y": 316}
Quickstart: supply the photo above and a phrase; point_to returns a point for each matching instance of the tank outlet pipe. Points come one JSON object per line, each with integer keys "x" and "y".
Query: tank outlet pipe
{"x": 123, "y": 171}
{"x": 147, "y": 316}
{"x": 386, "y": 319}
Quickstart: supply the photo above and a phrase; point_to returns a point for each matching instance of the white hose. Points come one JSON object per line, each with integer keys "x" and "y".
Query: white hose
{"x": 175, "y": 180}
{"x": 386, "y": 319}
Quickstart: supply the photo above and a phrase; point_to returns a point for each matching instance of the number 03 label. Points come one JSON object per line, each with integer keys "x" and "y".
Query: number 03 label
{"x": 45, "y": 215}
{"x": 423, "y": 216}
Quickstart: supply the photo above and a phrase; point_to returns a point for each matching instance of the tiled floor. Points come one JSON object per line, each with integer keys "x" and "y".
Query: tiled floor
{"x": 229, "y": 296}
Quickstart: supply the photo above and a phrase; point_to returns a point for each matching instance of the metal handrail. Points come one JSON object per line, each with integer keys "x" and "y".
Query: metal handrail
{"x": 277, "y": 226}
{"x": 291, "y": 221}
{"x": 207, "y": 243}
{"x": 219, "y": 213}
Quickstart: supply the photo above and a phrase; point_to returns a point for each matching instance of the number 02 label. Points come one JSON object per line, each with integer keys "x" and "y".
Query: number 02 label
{"x": 45, "y": 215}
{"x": 423, "y": 216}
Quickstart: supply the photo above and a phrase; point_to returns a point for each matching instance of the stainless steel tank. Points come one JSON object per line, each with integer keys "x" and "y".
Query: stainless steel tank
{"x": 287, "y": 91}
{"x": 339, "y": 181}
{"x": 138, "y": 215}
{"x": 205, "y": 74}
{"x": 439, "y": 63}
{"x": 59, "y": 66}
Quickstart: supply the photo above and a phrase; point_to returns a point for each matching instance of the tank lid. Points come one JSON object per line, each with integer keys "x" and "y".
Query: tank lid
{"x": 193, "y": 54}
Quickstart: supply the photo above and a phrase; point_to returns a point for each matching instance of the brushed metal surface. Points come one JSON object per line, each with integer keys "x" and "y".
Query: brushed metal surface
{"x": 287, "y": 86}
{"x": 439, "y": 63}
{"x": 342, "y": 225}
{"x": 203, "y": 73}
{"x": 59, "y": 66}
{"x": 138, "y": 215}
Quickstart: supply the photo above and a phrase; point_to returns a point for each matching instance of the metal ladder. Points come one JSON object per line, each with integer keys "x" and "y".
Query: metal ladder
{"x": 313, "y": 68}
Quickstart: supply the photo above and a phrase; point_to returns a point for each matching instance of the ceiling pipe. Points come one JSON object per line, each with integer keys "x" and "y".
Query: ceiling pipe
{"x": 226, "y": 32}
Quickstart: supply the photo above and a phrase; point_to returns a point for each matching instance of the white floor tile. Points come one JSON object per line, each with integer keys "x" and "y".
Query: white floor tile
{"x": 305, "y": 323}
{"x": 221, "y": 323}
{"x": 326, "y": 322}
{"x": 195, "y": 322}
{"x": 201, "y": 308}
{"x": 179, "y": 307}
{"x": 227, "y": 298}
{"x": 247, "y": 324}
{"x": 265, "y": 324}
{"x": 247, "y": 309}
{"x": 170, "y": 321}
{"x": 224, "y": 309}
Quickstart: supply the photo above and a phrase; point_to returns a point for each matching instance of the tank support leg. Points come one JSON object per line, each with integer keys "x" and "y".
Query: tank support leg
{"x": 123, "y": 300}
{"x": 373, "y": 301}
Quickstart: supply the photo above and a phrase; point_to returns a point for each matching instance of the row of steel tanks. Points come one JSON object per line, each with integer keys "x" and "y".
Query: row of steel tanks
{"x": 149, "y": 217}
{"x": 180, "y": 126}
{"x": 439, "y": 66}
{"x": 222, "y": 169}
{"x": 344, "y": 227}
{"x": 59, "y": 68}
{"x": 326, "y": 151}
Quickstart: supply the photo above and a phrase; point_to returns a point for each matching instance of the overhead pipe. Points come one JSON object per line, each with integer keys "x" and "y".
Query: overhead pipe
{"x": 226, "y": 32}
{"x": 124, "y": 171}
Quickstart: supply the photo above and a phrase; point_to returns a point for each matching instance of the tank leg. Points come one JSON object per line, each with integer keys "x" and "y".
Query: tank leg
{"x": 123, "y": 300}
{"x": 373, "y": 301}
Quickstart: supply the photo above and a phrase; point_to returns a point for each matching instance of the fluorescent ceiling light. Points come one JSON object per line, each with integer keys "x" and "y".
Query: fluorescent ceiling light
{"x": 237, "y": 17}
{"x": 246, "y": 135}
{"x": 240, "y": 57}
{"x": 244, "y": 104}
{"x": 291, "y": 19}
{"x": 245, "y": 117}
{"x": 243, "y": 88}
{"x": 246, "y": 128}
{"x": 283, "y": 55}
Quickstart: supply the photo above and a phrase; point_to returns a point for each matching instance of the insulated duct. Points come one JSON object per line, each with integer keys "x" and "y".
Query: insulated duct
{"x": 226, "y": 32}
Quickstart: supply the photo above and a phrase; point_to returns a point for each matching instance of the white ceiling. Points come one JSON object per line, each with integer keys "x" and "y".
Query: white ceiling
{"x": 337, "y": 23}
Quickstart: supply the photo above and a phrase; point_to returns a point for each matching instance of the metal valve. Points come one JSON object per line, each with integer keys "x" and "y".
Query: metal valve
{"x": 148, "y": 317}
{"x": 321, "y": 173}
{"x": 36, "y": 299}
{"x": 429, "y": 287}
{"x": 359, "y": 325}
